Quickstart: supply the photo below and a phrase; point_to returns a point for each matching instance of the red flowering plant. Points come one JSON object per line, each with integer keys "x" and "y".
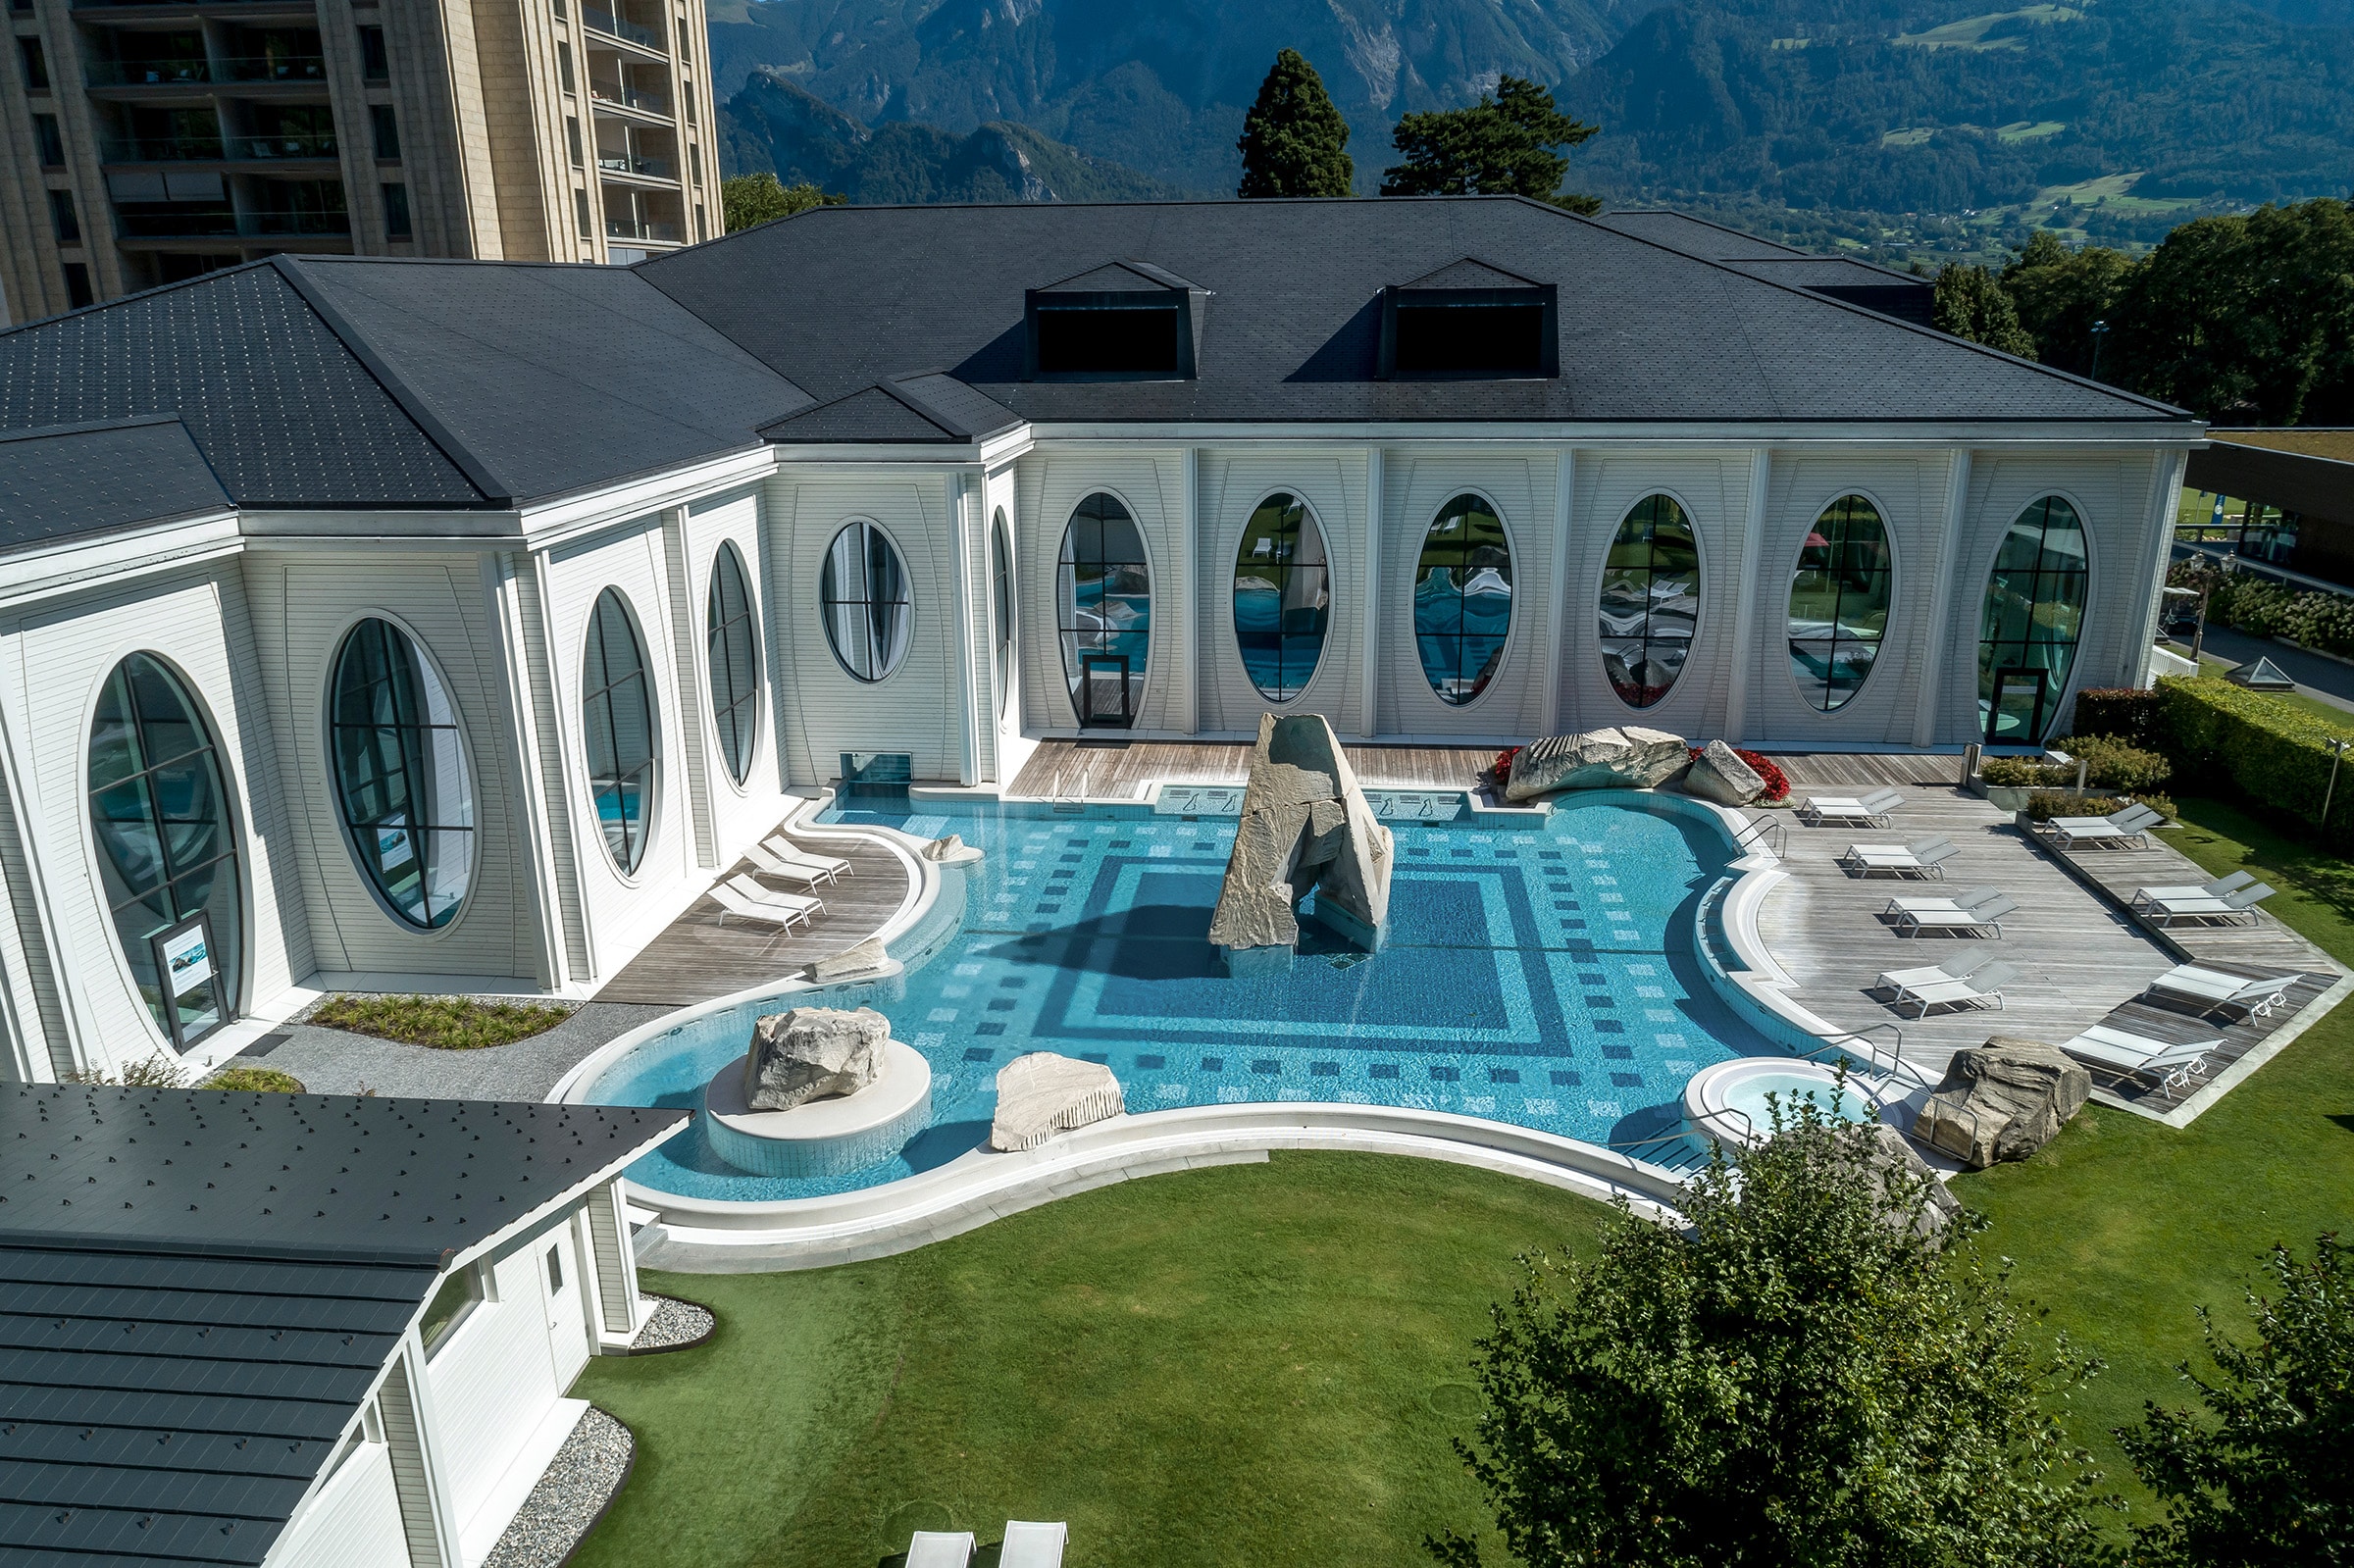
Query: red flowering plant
{"x": 1777, "y": 783}
{"x": 1500, "y": 772}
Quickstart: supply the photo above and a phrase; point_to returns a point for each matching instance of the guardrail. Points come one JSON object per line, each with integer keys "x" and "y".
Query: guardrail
{"x": 1772, "y": 832}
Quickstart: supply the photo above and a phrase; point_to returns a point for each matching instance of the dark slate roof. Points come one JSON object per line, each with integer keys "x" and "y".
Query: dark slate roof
{"x": 1694, "y": 236}
{"x": 90, "y": 478}
{"x": 1291, "y": 329}
{"x": 197, "y": 1288}
{"x": 928, "y": 406}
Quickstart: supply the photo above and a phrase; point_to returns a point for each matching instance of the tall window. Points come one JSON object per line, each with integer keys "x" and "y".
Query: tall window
{"x": 167, "y": 848}
{"x": 733, "y": 648}
{"x": 1462, "y": 599}
{"x": 2034, "y": 613}
{"x": 1104, "y": 603}
{"x": 617, "y": 713}
{"x": 400, "y": 774}
{"x": 1649, "y": 601}
{"x": 1282, "y": 596}
{"x": 1000, "y": 587}
{"x": 1839, "y": 602}
{"x": 863, "y": 597}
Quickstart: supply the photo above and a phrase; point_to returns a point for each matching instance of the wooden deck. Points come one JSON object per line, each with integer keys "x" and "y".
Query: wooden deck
{"x": 1823, "y": 772}
{"x": 696, "y": 958}
{"x": 1122, "y": 770}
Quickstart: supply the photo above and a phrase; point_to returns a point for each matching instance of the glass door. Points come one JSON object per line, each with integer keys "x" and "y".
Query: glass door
{"x": 2014, "y": 715}
{"x": 1104, "y": 691}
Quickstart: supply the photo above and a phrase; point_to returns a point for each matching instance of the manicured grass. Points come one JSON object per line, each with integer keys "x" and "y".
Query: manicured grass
{"x": 254, "y": 1080}
{"x": 1256, "y": 1365}
{"x": 2122, "y": 1227}
{"x": 446, "y": 1023}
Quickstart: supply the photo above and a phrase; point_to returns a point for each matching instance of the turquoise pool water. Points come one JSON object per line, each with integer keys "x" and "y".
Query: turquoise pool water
{"x": 1540, "y": 974}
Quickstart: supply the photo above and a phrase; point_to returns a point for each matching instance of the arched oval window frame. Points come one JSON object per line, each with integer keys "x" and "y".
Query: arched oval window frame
{"x": 825, "y": 623}
{"x": 751, "y": 596}
{"x": 1972, "y": 725}
{"x": 1700, "y": 552}
{"x": 653, "y": 816}
{"x": 1144, "y": 540}
{"x": 1895, "y": 592}
{"x": 1511, "y": 629}
{"x": 1004, "y": 609}
{"x": 1325, "y": 535}
{"x": 327, "y": 721}
{"x": 232, "y": 805}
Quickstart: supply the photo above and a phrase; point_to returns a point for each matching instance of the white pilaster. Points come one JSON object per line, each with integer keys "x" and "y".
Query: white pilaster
{"x": 1369, "y": 633}
{"x": 1744, "y": 610}
{"x": 1557, "y": 604}
{"x": 1928, "y": 699}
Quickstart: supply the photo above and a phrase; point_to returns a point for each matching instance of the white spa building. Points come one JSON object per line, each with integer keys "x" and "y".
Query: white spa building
{"x": 453, "y": 625}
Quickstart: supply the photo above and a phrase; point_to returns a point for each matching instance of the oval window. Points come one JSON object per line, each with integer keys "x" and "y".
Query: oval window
{"x": 167, "y": 848}
{"x": 1462, "y": 599}
{"x": 2033, "y": 615}
{"x": 731, "y": 643}
{"x": 863, "y": 596}
{"x": 1839, "y": 602}
{"x": 1282, "y": 596}
{"x": 617, "y": 728}
{"x": 1104, "y": 588}
{"x": 1649, "y": 601}
{"x": 1000, "y": 594}
{"x": 400, "y": 774}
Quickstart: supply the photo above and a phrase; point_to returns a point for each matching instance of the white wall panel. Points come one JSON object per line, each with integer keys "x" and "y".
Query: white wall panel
{"x": 354, "y": 1521}
{"x": 1151, "y": 486}
{"x": 1333, "y": 484}
{"x": 1418, "y": 484}
{"x": 741, "y": 812}
{"x": 492, "y": 1379}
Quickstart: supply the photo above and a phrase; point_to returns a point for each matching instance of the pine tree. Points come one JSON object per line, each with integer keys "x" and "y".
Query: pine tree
{"x": 1293, "y": 138}
{"x": 1500, "y": 146}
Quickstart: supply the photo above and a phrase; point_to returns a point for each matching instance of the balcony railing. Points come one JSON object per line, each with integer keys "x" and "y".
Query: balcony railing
{"x": 275, "y": 67}
{"x": 613, "y": 27}
{"x": 297, "y": 224}
{"x": 147, "y": 73}
{"x": 216, "y": 223}
{"x": 627, "y": 229}
{"x": 161, "y": 149}
{"x": 617, "y": 163}
{"x": 654, "y": 103}
{"x": 307, "y": 144}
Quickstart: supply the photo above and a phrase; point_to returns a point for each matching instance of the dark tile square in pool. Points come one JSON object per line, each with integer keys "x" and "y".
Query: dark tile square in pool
{"x": 1461, "y": 854}
{"x": 1050, "y": 909}
{"x": 1061, "y": 874}
{"x": 1097, "y": 1057}
{"x": 1602, "y": 1001}
{"x": 1548, "y": 854}
{"x": 978, "y": 1054}
{"x": 1151, "y": 1064}
{"x": 1619, "y": 1053}
{"x": 1589, "y": 978}
{"x": 1382, "y": 1070}
{"x": 1266, "y": 1066}
{"x": 1609, "y": 1025}
{"x": 985, "y": 1030}
{"x": 1573, "y": 923}
{"x": 1323, "y": 1068}
{"x": 1567, "y": 1080}
{"x": 1565, "y": 905}
{"x": 1444, "y": 1075}
{"x": 1503, "y": 1074}
{"x": 1014, "y": 983}
{"x": 1626, "y": 1079}
{"x": 1213, "y": 1064}
{"x": 1123, "y": 843}
{"x": 1003, "y": 1004}
{"x": 1422, "y": 852}
{"x": 1071, "y": 860}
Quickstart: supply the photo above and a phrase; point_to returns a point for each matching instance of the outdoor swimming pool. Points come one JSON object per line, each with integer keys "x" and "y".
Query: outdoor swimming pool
{"x": 1537, "y": 972}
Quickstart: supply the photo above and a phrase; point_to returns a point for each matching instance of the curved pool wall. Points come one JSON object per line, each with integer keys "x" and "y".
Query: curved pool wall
{"x": 1518, "y": 995}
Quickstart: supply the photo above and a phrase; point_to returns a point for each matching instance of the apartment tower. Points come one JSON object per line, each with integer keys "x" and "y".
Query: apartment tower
{"x": 145, "y": 142}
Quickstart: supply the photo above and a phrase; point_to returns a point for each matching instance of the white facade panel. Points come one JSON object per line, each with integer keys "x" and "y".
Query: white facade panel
{"x": 1152, "y": 485}
{"x": 492, "y": 1380}
{"x": 1332, "y": 483}
{"x": 1418, "y": 484}
{"x": 354, "y": 1521}
{"x": 741, "y": 811}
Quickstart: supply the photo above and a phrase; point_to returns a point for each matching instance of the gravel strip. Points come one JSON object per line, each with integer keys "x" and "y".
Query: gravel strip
{"x": 580, "y": 1482}
{"x": 675, "y": 1322}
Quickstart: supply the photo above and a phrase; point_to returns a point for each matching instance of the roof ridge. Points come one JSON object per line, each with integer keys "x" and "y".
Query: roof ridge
{"x": 15, "y": 327}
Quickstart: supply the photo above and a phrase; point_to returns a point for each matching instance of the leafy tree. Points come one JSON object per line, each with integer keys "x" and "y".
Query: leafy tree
{"x": 750, "y": 200}
{"x": 2266, "y": 1477}
{"x": 1812, "y": 1375}
{"x": 1293, "y": 140}
{"x": 1968, "y": 303}
{"x": 1500, "y": 146}
{"x": 2059, "y": 293}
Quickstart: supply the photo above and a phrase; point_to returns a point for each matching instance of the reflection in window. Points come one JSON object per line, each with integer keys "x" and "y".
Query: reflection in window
{"x": 1649, "y": 601}
{"x": 1839, "y": 602}
{"x": 863, "y": 597}
{"x": 400, "y": 774}
{"x": 1282, "y": 596}
{"x": 731, "y": 637}
{"x": 2034, "y": 613}
{"x": 617, "y": 716}
{"x": 1103, "y": 593}
{"x": 1000, "y": 593}
{"x": 1462, "y": 599}
{"x": 167, "y": 850}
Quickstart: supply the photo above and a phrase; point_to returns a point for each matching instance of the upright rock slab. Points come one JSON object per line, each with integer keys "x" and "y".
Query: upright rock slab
{"x": 1306, "y": 827}
{"x": 2003, "y": 1101}
{"x": 1042, "y": 1094}
{"x": 810, "y": 1053}
{"x": 1718, "y": 774}
{"x": 1626, "y": 758}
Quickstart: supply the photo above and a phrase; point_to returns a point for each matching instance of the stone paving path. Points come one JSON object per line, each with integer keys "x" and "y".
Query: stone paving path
{"x": 333, "y": 1061}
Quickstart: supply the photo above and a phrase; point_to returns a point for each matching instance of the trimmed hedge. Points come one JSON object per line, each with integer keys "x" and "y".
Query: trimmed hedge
{"x": 2221, "y": 735}
{"x": 2110, "y": 764}
{"x": 2128, "y": 713}
{"x": 2264, "y": 608}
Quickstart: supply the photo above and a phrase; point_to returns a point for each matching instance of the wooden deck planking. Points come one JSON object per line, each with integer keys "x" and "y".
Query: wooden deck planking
{"x": 1118, "y": 769}
{"x": 1830, "y": 772}
{"x": 2264, "y": 941}
{"x": 696, "y": 958}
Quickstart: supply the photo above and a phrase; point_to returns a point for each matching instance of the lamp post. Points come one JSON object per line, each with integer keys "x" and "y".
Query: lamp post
{"x": 2100, "y": 329}
{"x": 2337, "y": 754}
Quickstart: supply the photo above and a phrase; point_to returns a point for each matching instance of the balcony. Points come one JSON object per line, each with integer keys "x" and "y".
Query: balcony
{"x": 162, "y": 149}
{"x": 221, "y": 224}
{"x": 148, "y": 73}
{"x": 660, "y": 233}
{"x": 305, "y": 144}
{"x": 613, "y": 27}
{"x": 286, "y": 69}
{"x": 622, "y": 162}
{"x": 613, "y": 92}
{"x": 296, "y": 223}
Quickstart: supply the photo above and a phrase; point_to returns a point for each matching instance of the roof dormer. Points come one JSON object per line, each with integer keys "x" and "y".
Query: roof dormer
{"x": 1469, "y": 320}
{"x": 1126, "y": 320}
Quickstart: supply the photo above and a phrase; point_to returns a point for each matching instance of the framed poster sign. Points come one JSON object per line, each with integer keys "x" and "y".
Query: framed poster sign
{"x": 186, "y": 968}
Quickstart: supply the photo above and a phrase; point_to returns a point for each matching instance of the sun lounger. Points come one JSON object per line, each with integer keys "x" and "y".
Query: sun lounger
{"x": 777, "y": 865}
{"x": 769, "y": 898}
{"x": 1987, "y": 917}
{"x": 1981, "y": 990}
{"x": 2234, "y": 908}
{"x": 1033, "y": 1546}
{"x": 1971, "y": 900}
{"x": 2213, "y": 890}
{"x": 1961, "y": 967}
{"x": 732, "y": 902}
{"x": 1922, "y": 857}
{"x": 793, "y": 854}
{"x": 2212, "y": 988}
{"x": 1819, "y": 811}
{"x": 2126, "y": 829}
{"x": 2133, "y": 1055}
{"x": 940, "y": 1548}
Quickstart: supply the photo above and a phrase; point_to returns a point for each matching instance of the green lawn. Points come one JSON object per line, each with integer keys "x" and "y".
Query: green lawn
{"x": 1253, "y": 1364}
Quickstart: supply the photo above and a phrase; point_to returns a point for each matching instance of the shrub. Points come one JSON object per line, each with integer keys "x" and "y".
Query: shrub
{"x": 2045, "y": 804}
{"x": 2225, "y": 736}
{"x": 2111, "y": 764}
{"x": 1777, "y": 783}
{"x": 254, "y": 1080}
{"x": 2023, "y": 773}
{"x": 444, "y": 1023}
{"x": 2128, "y": 713}
{"x": 155, "y": 1072}
{"x": 2264, "y": 608}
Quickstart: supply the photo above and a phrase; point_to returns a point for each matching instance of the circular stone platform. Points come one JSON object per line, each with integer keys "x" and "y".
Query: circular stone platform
{"x": 824, "y": 1138}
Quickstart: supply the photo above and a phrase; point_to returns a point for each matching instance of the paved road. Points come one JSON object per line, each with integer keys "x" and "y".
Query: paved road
{"x": 2323, "y": 680}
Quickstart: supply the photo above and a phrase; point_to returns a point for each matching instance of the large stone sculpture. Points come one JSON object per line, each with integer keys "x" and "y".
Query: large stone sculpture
{"x": 1629, "y": 758}
{"x": 2003, "y": 1101}
{"x": 1718, "y": 774}
{"x": 1307, "y": 826}
{"x": 1898, "y": 1169}
{"x": 1042, "y": 1094}
{"x": 810, "y": 1053}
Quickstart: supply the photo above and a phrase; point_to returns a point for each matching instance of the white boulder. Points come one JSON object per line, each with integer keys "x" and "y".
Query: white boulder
{"x": 859, "y": 958}
{"x": 1626, "y": 758}
{"x": 1305, "y": 828}
{"x": 950, "y": 851}
{"x": 811, "y": 1053}
{"x": 1718, "y": 774}
{"x": 1041, "y": 1094}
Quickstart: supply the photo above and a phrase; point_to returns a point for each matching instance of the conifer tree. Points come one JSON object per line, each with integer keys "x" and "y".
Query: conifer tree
{"x": 1293, "y": 138}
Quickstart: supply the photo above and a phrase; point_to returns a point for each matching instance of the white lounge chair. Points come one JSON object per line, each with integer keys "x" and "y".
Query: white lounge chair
{"x": 2234, "y": 908}
{"x": 769, "y": 898}
{"x": 1969, "y": 899}
{"x": 1872, "y": 810}
{"x": 793, "y": 854}
{"x": 1960, "y": 967}
{"x": 1033, "y": 1546}
{"x": 732, "y": 902}
{"x": 2132, "y": 1055}
{"x": 940, "y": 1548}
{"x": 2128, "y": 828}
{"x": 760, "y": 856}
{"x": 1986, "y": 917}
{"x": 1922, "y": 857}
{"x": 1982, "y": 988}
{"x": 2213, "y": 989}
{"x": 2213, "y": 890}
